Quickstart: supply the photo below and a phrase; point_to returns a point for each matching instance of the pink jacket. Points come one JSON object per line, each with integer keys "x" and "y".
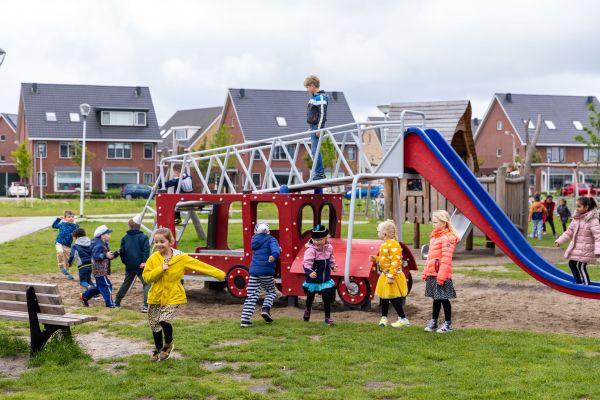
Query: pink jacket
{"x": 585, "y": 232}
{"x": 313, "y": 254}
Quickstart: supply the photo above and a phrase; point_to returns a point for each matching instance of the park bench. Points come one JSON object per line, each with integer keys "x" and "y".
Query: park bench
{"x": 37, "y": 303}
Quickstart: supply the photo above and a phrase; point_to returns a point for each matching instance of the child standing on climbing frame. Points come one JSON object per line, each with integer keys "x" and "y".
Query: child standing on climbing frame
{"x": 584, "y": 232}
{"x": 164, "y": 270}
{"x": 391, "y": 286}
{"x": 318, "y": 264}
{"x": 437, "y": 273}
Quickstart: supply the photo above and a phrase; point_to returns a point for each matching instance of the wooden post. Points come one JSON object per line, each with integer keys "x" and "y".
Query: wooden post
{"x": 416, "y": 235}
{"x": 469, "y": 241}
{"x": 388, "y": 199}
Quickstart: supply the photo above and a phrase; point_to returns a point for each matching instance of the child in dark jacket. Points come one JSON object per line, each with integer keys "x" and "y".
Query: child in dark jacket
{"x": 564, "y": 213}
{"x": 134, "y": 251}
{"x": 265, "y": 250}
{"x": 66, "y": 226}
{"x": 186, "y": 185}
{"x": 318, "y": 264}
{"x": 101, "y": 256}
{"x": 81, "y": 255}
{"x": 316, "y": 117}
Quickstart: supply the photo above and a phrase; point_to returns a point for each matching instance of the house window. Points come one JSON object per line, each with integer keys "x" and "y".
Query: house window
{"x": 531, "y": 124}
{"x": 256, "y": 154}
{"x": 351, "y": 153}
{"x": 74, "y": 117}
{"x": 41, "y": 177}
{"x": 578, "y": 125}
{"x": 498, "y": 125}
{"x": 41, "y": 150}
{"x": 181, "y": 134}
{"x": 69, "y": 181}
{"x": 148, "y": 178}
{"x": 281, "y": 121}
{"x": 590, "y": 155}
{"x": 117, "y": 179}
{"x": 2, "y": 158}
{"x": 51, "y": 116}
{"x": 148, "y": 151}
{"x": 66, "y": 150}
{"x": 232, "y": 122}
{"x": 279, "y": 153}
{"x": 498, "y": 152}
{"x": 256, "y": 179}
{"x": 2, "y": 138}
{"x": 123, "y": 118}
{"x": 119, "y": 150}
{"x": 555, "y": 154}
{"x": 140, "y": 118}
{"x": 550, "y": 124}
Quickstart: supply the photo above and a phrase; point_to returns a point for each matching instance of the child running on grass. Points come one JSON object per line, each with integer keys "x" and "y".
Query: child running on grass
{"x": 537, "y": 212}
{"x": 265, "y": 250}
{"x": 437, "y": 273}
{"x": 318, "y": 264}
{"x": 101, "y": 256}
{"x": 66, "y": 226}
{"x": 391, "y": 286}
{"x": 584, "y": 233}
{"x": 164, "y": 270}
{"x": 81, "y": 255}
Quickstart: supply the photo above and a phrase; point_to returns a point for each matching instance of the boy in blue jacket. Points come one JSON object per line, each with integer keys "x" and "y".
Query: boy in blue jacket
{"x": 66, "y": 226}
{"x": 101, "y": 256}
{"x": 81, "y": 255}
{"x": 316, "y": 117}
{"x": 265, "y": 250}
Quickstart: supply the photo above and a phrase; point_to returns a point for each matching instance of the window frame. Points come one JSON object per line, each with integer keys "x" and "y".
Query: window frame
{"x": 549, "y": 125}
{"x": 44, "y": 179}
{"x": 2, "y": 138}
{"x": 72, "y": 114}
{"x": 144, "y": 175}
{"x": 151, "y": 151}
{"x": 45, "y": 150}
{"x": 560, "y": 152}
{"x": 577, "y": 124}
{"x": 51, "y": 116}
{"x": 499, "y": 125}
{"x": 281, "y": 122}
{"x": 70, "y": 151}
{"x": 351, "y": 150}
{"x": 254, "y": 174}
{"x": 498, "y": 152}
{"x": 87, "y": 174}
{"x": 586, "y": 155}
{"x": 114, "y": 144}
{"x": 105, "y": 119}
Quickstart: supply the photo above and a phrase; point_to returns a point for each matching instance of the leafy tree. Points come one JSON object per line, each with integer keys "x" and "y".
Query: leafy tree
{"x": 23, "y": 161}
{"x": 223, "y": 138}
{"x": 89, "y": 155}
{"x": 592, "y": 141}
{"x": 328, "y": 154}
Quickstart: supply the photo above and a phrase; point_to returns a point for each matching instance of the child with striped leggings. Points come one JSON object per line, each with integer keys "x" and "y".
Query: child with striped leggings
{"x": 265, "y": 250}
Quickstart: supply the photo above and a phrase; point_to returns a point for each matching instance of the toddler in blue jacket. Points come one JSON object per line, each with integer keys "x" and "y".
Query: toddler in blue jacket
{"x": 66, "y": 226}
{"x": 265, "y": 250}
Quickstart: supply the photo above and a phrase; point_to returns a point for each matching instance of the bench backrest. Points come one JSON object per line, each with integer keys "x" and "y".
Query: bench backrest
{"x": 13, "y": 297}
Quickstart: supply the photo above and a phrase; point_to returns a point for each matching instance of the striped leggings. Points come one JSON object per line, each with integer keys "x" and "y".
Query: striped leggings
{"x": 579, "y": 270}
{"x": 255, "y": 284}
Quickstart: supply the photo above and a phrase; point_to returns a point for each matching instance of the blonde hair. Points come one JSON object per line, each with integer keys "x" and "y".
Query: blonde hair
{"x": 312, "y": 80}
{"x": 388, "y": 226}
{"x": 444, "y": 216}
{"x": 166, "y": 232}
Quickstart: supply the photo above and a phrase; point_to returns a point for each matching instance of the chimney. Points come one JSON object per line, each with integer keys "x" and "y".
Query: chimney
{"x": 509, "y": 97}
{"x": 138, "y": 91}
{"x": 590, "y": 99}
{"x": 334, "y": 95}
{"x": 475, "y": 121}
{"x": 34, "y": 88}
{"x": 242, "y": 93}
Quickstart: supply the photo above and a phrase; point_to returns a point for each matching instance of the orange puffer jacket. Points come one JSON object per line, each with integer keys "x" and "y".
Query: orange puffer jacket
{"x": 439, "y": 258}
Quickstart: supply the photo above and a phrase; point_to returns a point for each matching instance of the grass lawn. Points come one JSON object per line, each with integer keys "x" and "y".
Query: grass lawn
{"x": 37, "y": 207}
{"x": 295, "y": 360}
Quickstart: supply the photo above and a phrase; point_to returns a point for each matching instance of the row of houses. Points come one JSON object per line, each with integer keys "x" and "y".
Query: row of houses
{"x": 127, "y": 143}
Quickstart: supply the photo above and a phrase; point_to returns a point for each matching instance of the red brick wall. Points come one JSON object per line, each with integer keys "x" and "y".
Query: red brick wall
{"x": 6, "y": 147}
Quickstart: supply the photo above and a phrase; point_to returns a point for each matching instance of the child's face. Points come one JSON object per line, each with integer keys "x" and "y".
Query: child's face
{"x": 563, "y": 202}
{"x": 319, "y": 242}
{"x": 70, "y": 218}
{"x": 312, "y": 89}
{"x": 161, "y": 243}
{"x": 580, "y": 208}
{"x": 105, "y": 237}
{"x": 437, "y": 224}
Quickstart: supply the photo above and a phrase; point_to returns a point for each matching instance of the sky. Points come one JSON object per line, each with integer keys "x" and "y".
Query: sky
{"x": 376, "y": 52}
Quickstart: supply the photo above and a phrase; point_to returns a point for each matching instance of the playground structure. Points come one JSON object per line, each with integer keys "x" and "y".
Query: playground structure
{"x": 418, "y": 153}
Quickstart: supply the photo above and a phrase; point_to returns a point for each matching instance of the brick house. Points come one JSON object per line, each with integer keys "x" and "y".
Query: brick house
{"x": 254, "y": 115}
{"x": 187, "y": 129}
{"x": 563, "y": 117}
{"x": 8, "y": 143}
{"x": 122, "y": 132}
{"x": 372, "y": 141}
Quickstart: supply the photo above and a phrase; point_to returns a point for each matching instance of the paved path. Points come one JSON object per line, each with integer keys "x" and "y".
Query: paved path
{"x": 14, "y": 228}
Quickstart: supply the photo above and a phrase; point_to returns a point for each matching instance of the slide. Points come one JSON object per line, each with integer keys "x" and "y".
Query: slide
{"x": 435, "y": 160}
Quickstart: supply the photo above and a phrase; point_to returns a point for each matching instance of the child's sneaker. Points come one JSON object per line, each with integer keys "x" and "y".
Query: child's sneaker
{"x": 383, "y": 321}
{"x": 266, "y": 315}
{"x": 329, "y": 321}
{"x": 400, "y": 323}
{"x": 245, "y": 324}
{"x": 306, "y": 315}
{"x": 155, "y": 356}
{"x": 431, "y": 325}
{"x": 145, "y": 309}
{"x": 166, "y": 351}
{"x": 84, "y": 300}
{"x": 446, "y": 328}
{"x": 70, "y": 277}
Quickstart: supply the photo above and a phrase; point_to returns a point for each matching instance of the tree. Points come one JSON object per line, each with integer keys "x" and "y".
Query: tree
{"x": 328, "y": 154}
{"x": 89, "y": 155}
{"x": 530, "y": 155}
{"x": 223, "y": 138}
{"x": 592, "y": 141}
{"x": 23, "y": 161}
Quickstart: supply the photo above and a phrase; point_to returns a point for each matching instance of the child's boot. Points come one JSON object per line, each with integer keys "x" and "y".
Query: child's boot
{"x": 155, "y": 355}
{"x": 166, "y": 351}
{"x": 306, "y": 316}
{"x": 329, "y": 321}
{"x": 446, "y": 328}
{"x": 266, "y": 315}
{"x": 431, "y": 325}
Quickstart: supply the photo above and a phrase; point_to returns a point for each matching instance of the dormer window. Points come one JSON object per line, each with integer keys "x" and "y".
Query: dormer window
{"x": 181, "y": 134}
{"x": 578, "y": 125}
{"x": 550, "y": 124}
{"x": 74, "y": 117}
{"x": 531, "y": 124}
{"x": 281, "y": 121}
{"x": 51, "y": 116}
{"x": 123, "y": 118}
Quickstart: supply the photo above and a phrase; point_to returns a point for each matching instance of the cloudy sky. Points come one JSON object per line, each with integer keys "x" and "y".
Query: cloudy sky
{"x": 190, "y": 52}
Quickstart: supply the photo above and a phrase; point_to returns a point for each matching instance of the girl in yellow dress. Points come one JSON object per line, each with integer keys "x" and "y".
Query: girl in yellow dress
{"x": 391, "y": 286}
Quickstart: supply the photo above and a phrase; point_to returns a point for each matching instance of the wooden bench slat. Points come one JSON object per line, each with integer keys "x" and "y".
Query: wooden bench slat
{"x": 22, "y": 306}
{"x": 43, "y": 298}
{"x": 22, "y": 286}
{"x": 63, "y": 320}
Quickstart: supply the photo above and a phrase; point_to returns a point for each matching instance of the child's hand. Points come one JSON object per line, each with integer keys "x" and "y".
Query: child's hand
{"x": 271, "y": 259}
{"x": 142, "y": 265}
{"x": 165, "y": 266}
{"x": 334, "y": 268}
{"x": 372, "y": 258}
{"x": 390, "y": 280}
{"x": 110, "y": 255}
{"x": 313, "y": 275}
{"x": 440, "y": 282}
{"x": 556, "y": 244}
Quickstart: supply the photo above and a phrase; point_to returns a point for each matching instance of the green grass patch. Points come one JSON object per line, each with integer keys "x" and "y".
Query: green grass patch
{"x": 37, "y": 207}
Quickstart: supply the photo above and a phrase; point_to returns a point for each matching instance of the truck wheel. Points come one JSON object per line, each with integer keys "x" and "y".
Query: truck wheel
{"x": 356, "y": 295}
{"x": 237, "y": 281}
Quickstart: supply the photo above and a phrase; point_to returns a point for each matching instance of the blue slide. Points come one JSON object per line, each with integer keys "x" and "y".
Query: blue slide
{"x": 435, "y": 160}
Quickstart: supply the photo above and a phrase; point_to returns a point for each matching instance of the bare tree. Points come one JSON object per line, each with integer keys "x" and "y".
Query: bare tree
{"x": 531, "y": 146}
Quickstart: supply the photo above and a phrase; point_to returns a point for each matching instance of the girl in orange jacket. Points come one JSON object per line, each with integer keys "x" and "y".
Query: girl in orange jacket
{"x": 437, "y": 273}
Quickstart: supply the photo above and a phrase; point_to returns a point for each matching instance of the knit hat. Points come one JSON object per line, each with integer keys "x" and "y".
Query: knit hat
{"x": 101, "y": 230}
{"x": 261, "y": 227}
{"x": 319, "y": 232}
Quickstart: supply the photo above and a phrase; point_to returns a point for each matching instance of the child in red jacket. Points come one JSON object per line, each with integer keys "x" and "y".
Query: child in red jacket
{"x": 437, "y": 273}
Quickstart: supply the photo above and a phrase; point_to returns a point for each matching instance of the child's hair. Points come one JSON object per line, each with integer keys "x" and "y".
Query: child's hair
{"x": 536, "y": 197}
{"x": 166, "y": 232}
{"x": 388, "y": 226}
{"x": 68, "y": 213}
{"x": 79, "y": 232}
{"x": 549, "y": 197}
{"x": 563, "y": 201}
{"x": 133, "y": 225}
{"x": 444, "y": 216}
{"x": 588, "y": 202}
{"x": 177, "y": 167}
{"x": 312, "y": 80}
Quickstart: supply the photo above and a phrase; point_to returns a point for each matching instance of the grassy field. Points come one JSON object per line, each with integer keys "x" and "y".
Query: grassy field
{"x": 37, "y": 207}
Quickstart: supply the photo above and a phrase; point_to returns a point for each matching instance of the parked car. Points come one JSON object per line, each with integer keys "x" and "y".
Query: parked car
{"x": 361, "y": 193}
{"x": 583, "y": 188}
{"x": 133, "y": 191}
{"x": 18, "y": 189}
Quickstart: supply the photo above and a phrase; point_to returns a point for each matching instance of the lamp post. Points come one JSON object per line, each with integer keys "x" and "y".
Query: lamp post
{"x": 2, "y": 55}
{"x": 84, "y": 109}
{"x": 513, "y": 145}
{"x": 41, "y": 172}
{"x": 385, "y": 109}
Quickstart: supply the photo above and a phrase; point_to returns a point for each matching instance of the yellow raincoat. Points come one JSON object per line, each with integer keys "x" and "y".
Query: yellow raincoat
{"x": 390, "y": 263}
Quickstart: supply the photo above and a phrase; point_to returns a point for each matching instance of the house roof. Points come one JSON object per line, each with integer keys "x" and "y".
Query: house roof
{"x": 198, "y": 118}
{"x": 11, "y": 120}
{"x": 258, "y": 110}
{"x": 561, "y": 110}
{"x": 65, "y": 99}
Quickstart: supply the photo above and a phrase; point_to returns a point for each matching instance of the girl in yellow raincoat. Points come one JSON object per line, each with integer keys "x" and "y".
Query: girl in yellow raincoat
{"x": 391, "y": 286}
{"x": 164, "y": 270}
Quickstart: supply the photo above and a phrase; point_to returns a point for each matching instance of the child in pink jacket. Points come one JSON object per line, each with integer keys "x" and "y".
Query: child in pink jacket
{"x": 584, "y": 232}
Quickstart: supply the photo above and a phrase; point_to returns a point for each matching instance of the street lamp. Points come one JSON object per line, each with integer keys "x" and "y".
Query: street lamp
{"x": 385, "y": 109}
{"x": 514, "y": 156}
{"x": 2, "y": 55}
{"x": 84, "y": 109}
